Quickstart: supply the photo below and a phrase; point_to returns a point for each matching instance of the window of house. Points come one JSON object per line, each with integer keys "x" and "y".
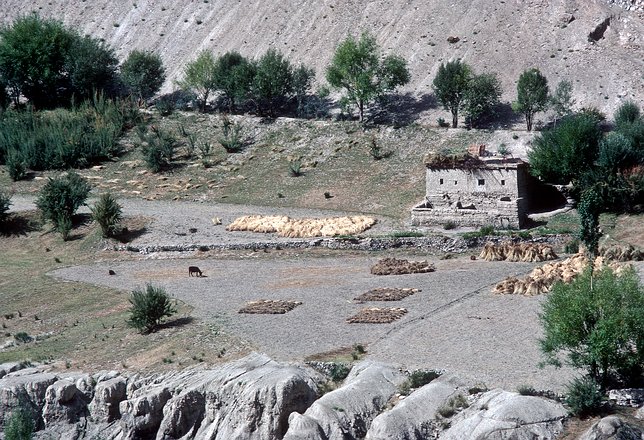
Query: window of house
{"x": 502, "y": 182}
{"x": 481, "y": 182}
{"x": 440, "y": 181}
{"x": 455, "y": 182}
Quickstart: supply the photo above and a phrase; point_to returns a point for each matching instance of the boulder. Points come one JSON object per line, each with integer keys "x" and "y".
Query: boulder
{"x": 107, "y": 397}
{"x": 182, "y": 415}
{"x": 612, "y": 428}
{"x": 26, "y": 391}
{"x": 141, "y": 416}
{"x": 415, "y": 416}
{"x": 64, "y": 403}
{"x": 347, "y": 412}
{"x": 627, "y": 396}
{"x": 498, "y": 415}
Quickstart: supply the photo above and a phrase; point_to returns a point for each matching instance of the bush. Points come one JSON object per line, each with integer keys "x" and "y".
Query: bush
{"x": 5, "y": 202}
{"x": 627, "y": 113}
{"x": 486, "y": 230}
{"x": 572, "y": 247}
{"x": 149, "y": 307}
{"x": 421, "y": 378}
{"x": 232, "y": 139}
{"x": 583, "y": 396}
{"x": 295, "y": 168}
{"x": 107, "y": 213}
{"x": 526, "y": 390}
{"x": 20, "y": 426}
{"x": 449, "y": 225}
{"x": 143, "y": 74}
{"x": 15, "y": 165}
{"x": 339, "y": 371}
{"x": 452, "y": 406}
{"x": 159, "y": 150}
{"x": 60, "y": 198}
{"x": 595, "y": 323}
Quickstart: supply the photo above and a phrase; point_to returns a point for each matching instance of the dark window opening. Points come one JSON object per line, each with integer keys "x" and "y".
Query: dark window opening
{"x": 481, "y": 182}
{"x": 440, "y": 181}
{"x": 455, "y": 182}
{"x": 502, "y": 182}
{"x": 505, "y": 199}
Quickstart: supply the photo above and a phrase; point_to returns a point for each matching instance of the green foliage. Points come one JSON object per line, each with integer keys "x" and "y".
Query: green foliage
{"x": 419, "y": 378}
{"x": 627, "y": 113}
{"x": 451, "y": 84}
{"x": 482, "y": 96}
{"x": 200, "y": 77}
{"x": 449, "y": 225}
{"x": 616, "y": 153}
{"x": 49, "y": 63}
{"x": 15, "y": 165}
{"x": 159, "y": 149}
{"x": 62, "y": 139}
{"x": 107, "y": 213}
{"x": 561, "y": 154}
{"x": 532, "y": 95}
{"x": 303, "y": 78}
{"x": 377, "y": 152}
{"x": 273, "y": 82}
{"x": 452, "y": 406}
{"x": 143, "y": 74}
{"x": 589, "y": 208}
{"x": 595, "y": 323}
{"x": 149, "y": 307}
{"x": 233, "y": 138}
{"x": 526, "y": 390}
{"x": 561, "y": 101}
{"x": 359, "y": 72}
{"x": 486, "y": 230}
{"x": 339, "y": 371}
{"x": 572, "y": 247}
{"x": 233, "y": 77}
{"x": 583, "y": 396}
{"x": 295, "y": 168}
{"x": 4, "y": 94}
{"x": 60, "y": 198}
{"x": 23, "y": 337}
{"x": 19, "y": 426}
{"x": 5, "y": 203}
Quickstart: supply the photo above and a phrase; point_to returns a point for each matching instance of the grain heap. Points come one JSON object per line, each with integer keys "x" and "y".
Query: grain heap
{"x": 377, "y": 315}
{"x": 269, "y": 306}
{"x": 301, "y": 228}
{"x": 386, "y": 294}
{"x": 393, "y": 266}
{"x": 542, "y": 278}
{"x": 526, "y": 252}
{"x": 621, "y": 253}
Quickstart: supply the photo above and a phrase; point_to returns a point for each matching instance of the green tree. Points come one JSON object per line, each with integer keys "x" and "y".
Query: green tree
{"x": 48, "y": 63}
{"x": 358, "y": 70}
{"x": 561, "y": 102}
{"x": 595, "y": 323}
{"x": 273, "y": 82}
{"x": 233, "y": 78}
{"x": 482, "y": 95}
{"x": 149, "y": 307}
{"x": 199, "y": 76}
{"x": 19, "y": 426}
{"x": 627, "y": 113}
{"x": 451, "y": 84}
{"x": 563, "y": 153}
{"x": 107, "y": 213}
{"x": 143, "y": 74}
{"x": 589, "y": 207}
{"x": 303, "y": 78}
{"x": 532, "y": 95}
{"x": 60, "y": 198}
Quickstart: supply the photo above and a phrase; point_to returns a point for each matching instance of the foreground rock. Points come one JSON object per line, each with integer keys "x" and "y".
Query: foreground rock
{"x": 612, "y": 428}
{"x": 257, "y": 398}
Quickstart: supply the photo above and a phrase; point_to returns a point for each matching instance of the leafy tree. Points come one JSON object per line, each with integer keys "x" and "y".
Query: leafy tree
{"x": 561, "y": 102}
{"x": 589, "y": 207}
{"x": 20, "y": 426}
{"x": 143, "y": 74}
{"x": 60, "y": 198}
{"x": 199, "y": 76}
{"x": 233, "y": 78}
{"x": 273, "y": 82}
{"x": 303, "y": 78}
{"x": 595, "y": 323}
{"x": 482, "y": 95}
{"x": 49, "y": 63}
{"x": 563, "y": 153}
{"x": 451, "y": 85}
{"x": 532, "y": 95}
{"x": 107, "y": 213}
{"x": 149, "y": 307}
{"x": 359, "y": 71}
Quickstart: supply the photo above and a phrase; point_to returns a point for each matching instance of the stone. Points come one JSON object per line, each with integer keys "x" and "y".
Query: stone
{"x": 612, "y": 428}
{"x": 25, "y": 391}
{"x": 107, "y": 397}
{"x": 499, "y": 414}
{"x": 141, "y": 416}
{"x": 64, "y": 403}
{"x": 627, "y": 396}
{"x": 182, "y": 415}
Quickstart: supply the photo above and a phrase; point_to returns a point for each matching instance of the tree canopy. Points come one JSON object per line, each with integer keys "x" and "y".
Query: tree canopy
{"x": 233, "y": 78}
{"x": 200, "y": 76}
{"x": 143, "y": 74}
{"x": 532, "y": 95}
{"x": 451, "y": 85}
{"x": 359, "y": 71}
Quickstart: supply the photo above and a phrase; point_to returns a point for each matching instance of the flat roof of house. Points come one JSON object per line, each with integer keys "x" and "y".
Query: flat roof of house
{"x": 469, "y": 162}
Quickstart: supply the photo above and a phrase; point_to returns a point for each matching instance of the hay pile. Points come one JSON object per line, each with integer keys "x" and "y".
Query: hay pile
{"x": 377, "y": 315}
{"x": 526, "y": 252}
{"x": 393, "y": 266}
{"x": 621, "y": 253}
{"x": 269, "y": 306}
{"x": 385, "y": 294}
{"x": 302, "y": 228}
{"x": 542, "y": 278}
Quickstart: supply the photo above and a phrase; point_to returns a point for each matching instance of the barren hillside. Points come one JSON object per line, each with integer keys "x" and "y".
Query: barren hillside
{"x": 557, "y": 36}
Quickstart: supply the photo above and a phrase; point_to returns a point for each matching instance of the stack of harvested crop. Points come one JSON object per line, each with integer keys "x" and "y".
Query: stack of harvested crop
{"x": 393, "y": 266}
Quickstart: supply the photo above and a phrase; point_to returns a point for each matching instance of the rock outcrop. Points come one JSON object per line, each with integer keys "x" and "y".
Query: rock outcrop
{"x": 612, "y": 428}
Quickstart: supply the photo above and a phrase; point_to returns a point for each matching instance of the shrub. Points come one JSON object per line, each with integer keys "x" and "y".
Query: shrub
{"x": 453, "y": 405}
{"x": 60, "y": 198}
{"x": 486, "y": 230}
{"x": 107, "y": 213}
{"x": 20, "y": 426}
{"x": 376, "y": 151}
{"x": 339, "y": 371}
{"x": 627, "y": 113}
{"x": 583, "y": 396}
{"x": 526, "y": 390}
{"x": 149, "y": 307}
{"x": 449, "y": 225}
{"x": 22, "y": 337}
{"x": 295, "y": 168}
{"x": 5, "y": 202}
{"x": 15, "y": 165}
{"x": 572, "y": 247}
{"x": 165, "y": 105}
{"x": 159, "y": 150}
{"x": 442, "y": 122}
{"x": 232, "y": 139}
{"x": 143, "y": 74}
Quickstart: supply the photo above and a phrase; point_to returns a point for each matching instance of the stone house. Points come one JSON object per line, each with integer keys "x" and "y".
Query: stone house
{"x": 475, "y": 191}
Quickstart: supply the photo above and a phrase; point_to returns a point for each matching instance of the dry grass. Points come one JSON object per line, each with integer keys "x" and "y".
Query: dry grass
{"x": 269, "y": 306}
{"x": 385, "y": 294}
{"x": 302, "y": 228}
{"x": 394, "y": 266}
{"x": 377, "y": 315}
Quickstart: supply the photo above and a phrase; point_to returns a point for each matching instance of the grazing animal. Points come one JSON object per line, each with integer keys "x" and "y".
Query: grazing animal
{"x": 473, "y": 257}
{"x": 111, "y": 272}
{"x": 194, "y": 270}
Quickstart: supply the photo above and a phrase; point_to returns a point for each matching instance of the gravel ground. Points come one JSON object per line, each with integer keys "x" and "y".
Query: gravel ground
{"x": 455, "y": 323}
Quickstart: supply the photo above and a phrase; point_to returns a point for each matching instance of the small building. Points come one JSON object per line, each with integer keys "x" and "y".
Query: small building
{"x": 474, "y": 191}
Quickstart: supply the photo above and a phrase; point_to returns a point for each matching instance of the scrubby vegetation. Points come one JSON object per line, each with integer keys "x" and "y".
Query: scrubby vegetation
{"x": 107, "y": 213}
{"x": 149, "y": 307}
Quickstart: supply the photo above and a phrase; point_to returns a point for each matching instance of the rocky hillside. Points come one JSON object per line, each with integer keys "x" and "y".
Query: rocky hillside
{"x": 597, "y": 44}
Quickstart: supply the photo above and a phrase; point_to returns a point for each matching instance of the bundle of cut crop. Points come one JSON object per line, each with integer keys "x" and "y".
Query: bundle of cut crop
{"x": 506, "y": 287}
{"x": 258, "y": 223}
{"x": 514, "y": 253}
